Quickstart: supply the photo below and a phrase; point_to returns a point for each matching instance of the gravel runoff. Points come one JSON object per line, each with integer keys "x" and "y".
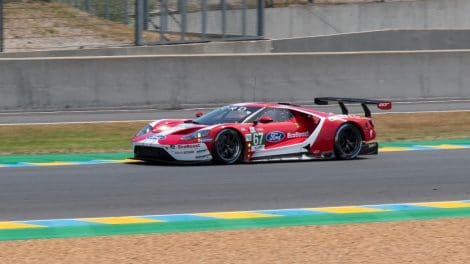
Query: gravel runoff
{"x": 433, "y": 241}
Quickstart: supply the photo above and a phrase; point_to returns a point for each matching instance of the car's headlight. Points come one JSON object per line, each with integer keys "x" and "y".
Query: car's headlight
{"x": 197, "y": 134}
{"x": 144, "y": 130}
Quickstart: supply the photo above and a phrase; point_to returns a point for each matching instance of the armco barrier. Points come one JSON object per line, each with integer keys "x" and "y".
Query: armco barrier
{"x": 175, "y": 81}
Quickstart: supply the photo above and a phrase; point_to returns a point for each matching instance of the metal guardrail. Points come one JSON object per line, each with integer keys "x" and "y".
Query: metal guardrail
{"x": 182, "y": 21}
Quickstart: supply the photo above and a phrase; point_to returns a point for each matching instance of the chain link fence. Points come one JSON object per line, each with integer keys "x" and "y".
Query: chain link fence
{"x": 28, "y": 25}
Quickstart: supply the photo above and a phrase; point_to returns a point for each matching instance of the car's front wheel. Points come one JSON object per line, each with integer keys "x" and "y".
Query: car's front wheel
{"x": 228, "y": 147}
{"x": 348, "y": 141}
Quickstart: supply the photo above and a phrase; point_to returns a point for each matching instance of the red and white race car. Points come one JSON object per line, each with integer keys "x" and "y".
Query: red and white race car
{"x": 248, "y": 132}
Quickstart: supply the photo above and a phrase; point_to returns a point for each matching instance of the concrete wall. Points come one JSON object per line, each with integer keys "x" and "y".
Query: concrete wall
{"x": 175, "y": 81}
{"x": 378, "y": 41}
{"x": 314, "y": 20}
{"x": 261, "y": 46}
{"x": 362, "y": 41}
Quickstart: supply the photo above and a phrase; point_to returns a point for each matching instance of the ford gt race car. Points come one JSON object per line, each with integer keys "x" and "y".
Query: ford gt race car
{"x": 248, "y": 132}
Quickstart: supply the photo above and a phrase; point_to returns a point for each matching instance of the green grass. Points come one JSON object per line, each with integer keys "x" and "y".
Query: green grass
{"x": 422, "y": 126}
{"x": 115, "y": 137}
{"x": 76, "y": 138}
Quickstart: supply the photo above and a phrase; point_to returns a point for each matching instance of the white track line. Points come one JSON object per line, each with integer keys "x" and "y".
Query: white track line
{"x": 195, "y": 107}
{"x": 134, "y": 121}
{"x": 419, "y": 112}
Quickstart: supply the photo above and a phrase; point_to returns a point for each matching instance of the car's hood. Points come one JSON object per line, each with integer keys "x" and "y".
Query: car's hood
{"x": 175, "y": 127}
{"x": 167, "y": 127}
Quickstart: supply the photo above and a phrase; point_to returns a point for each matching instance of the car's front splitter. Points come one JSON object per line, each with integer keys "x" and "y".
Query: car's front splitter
{"x": 194, "y": 152}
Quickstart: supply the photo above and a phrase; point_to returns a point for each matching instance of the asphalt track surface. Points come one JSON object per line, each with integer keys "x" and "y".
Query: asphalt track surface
{"x": 136, "y": 189}
{"x": 152, "y": 114}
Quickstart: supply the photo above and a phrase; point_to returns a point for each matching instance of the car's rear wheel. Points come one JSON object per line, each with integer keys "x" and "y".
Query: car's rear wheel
{"x": 228, "y": 147}
{"x": 348, "y": 142}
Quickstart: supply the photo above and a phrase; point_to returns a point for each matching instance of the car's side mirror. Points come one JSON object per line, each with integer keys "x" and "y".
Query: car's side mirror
{"x": 199, "y": 114}
{"x": 265, "y": 119}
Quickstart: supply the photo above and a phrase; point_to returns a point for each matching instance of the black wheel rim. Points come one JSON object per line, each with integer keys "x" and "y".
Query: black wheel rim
{"x": 349, "y": 141}
{"x": 228, "y": 146}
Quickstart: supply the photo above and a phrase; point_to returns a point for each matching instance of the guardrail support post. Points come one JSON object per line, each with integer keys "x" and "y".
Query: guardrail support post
{"x": 260, "y": 18}
{"x": 139, "y": 22}
{"x": 184, "y": 19}
{"x": 125, "y": 7}
{"x": 87, "y": 5}
{"x": 163, "y": 20}
{"x": 106, "y": 9}
{"x": 223, "y": 5}
{"x": 244, "y": 18}
{"x": 1, "y": 25}
{"x": 204, "y": 19}
{"x": 146, "y": 14}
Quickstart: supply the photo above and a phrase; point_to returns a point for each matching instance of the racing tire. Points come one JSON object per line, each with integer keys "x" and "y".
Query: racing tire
{"x": 348, "y": 142}
{"x": 228, "y": 147}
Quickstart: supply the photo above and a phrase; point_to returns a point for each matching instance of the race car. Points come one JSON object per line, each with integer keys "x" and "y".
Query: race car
{"x": 249, "y": 132}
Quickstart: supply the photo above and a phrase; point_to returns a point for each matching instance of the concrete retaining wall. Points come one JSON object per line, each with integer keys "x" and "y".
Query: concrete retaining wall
{"x": 378, "y": 41}
{"x": 261, "y": 46}
{"x": 364, "y": 41}
{"x": 315, "y": 20}
{"x": 175, "y": 81}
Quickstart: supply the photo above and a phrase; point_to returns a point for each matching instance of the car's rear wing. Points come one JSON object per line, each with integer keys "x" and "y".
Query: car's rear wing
{"x": 384, "y": 105}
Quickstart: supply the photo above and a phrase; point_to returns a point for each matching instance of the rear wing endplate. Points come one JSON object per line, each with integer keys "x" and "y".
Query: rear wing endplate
{"x": 383, "y": 105}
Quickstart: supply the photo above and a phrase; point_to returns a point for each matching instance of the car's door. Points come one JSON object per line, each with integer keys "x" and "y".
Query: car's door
{"x": 283, "y": 130}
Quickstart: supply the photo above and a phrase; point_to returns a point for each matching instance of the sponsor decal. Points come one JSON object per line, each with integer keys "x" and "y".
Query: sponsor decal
{"x": 257, "y": 147}
{"x": 184, "y": 152}
{"x": 298, "y": 134}
{"x": 338, "y": 117}
{"x": 149, "y": 141}
{"x": 184, "y": 126}
{"x": 188, "y": 146}
{"x": 258, "y": 139}
{"x": 203, "y": 156}
{"x": 275, "y": 136}
{"x": 204, "y": 140}
{"x": 201, "y": 151}
{"x": 385, "y": 105}
{"x": 248, "y": 137}
{"x": 252, "y": 130}
{"x": 235, "y": 108}
{"x": 156, "y": 136}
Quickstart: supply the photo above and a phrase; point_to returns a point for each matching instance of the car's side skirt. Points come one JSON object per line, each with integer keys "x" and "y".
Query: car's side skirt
{"x": 370, "y": 148}
{"x": 292, "y": 157}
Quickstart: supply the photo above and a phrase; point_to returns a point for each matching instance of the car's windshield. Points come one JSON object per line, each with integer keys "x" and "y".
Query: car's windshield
{"x": 227, "y": 114}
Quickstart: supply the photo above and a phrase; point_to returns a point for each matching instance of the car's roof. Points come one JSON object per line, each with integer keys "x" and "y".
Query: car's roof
{"x": 281, "y": 105}
{"x": 266, "y": 104}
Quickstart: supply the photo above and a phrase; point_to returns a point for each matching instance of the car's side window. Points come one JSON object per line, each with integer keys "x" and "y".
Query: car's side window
{"x": 278, "y": 114}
